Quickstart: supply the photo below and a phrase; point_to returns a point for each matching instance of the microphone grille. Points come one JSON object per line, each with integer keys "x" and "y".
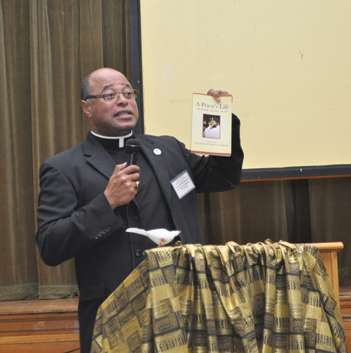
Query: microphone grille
{"x": 132, "y": 145}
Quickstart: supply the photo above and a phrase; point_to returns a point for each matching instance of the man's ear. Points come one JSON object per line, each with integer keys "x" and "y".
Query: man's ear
{"x": 86, "y": 108}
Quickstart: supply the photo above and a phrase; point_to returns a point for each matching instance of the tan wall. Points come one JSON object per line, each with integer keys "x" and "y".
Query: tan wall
{"x": 287, "y": 63}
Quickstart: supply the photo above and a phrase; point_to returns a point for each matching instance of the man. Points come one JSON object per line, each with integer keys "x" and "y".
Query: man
{"x": 89, "y": 194}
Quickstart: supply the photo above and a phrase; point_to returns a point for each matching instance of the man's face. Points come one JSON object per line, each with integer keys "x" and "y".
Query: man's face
{"x": 117, "y": 116}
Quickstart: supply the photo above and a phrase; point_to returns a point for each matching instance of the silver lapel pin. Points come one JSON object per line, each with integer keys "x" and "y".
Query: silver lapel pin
{"x": 157, "y": 151}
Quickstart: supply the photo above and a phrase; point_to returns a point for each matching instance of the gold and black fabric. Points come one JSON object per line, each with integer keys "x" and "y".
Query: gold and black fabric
{"x": 264, "y": 297}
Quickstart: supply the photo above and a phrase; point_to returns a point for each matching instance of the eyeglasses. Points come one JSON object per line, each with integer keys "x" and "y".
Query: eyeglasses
{"x": 129, "y": 93}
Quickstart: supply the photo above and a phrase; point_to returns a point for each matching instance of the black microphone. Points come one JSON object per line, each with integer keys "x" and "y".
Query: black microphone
{"x": 132, "y": 148}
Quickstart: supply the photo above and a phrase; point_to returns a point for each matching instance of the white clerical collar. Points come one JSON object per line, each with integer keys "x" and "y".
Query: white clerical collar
{"x": 121, "y": 139}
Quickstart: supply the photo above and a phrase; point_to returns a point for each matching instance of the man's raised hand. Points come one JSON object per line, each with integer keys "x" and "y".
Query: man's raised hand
{"x": 217, "y": 94}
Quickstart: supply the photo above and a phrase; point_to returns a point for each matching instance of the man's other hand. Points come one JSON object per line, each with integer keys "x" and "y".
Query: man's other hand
{"x": 123, "y": 185}
{"x": 217, "y": 94}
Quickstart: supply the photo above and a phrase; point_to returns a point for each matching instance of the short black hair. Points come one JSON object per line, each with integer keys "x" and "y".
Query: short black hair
{"x": 85, "y": 87}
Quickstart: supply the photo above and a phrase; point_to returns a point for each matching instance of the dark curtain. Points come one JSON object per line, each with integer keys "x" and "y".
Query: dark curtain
{"x": 330, "y": 207}
{"x": 45, "y": 48}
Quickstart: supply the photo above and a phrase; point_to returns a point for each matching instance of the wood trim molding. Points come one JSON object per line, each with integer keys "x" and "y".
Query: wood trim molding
{"x": 345, "y": 306}
{"x": 39, "y": 326}
{"x": 69, "y": 305}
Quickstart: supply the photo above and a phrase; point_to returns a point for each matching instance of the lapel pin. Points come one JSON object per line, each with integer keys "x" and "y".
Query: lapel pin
{"x": 157, "y": 151}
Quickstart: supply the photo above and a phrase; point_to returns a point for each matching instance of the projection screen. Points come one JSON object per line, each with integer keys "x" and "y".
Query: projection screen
{"x": 287, "y": 64}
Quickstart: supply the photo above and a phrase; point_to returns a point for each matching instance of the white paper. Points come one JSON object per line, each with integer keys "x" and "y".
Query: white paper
{"x": 156, "y": 235}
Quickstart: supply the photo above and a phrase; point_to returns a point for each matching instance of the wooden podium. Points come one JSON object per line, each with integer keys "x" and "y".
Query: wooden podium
{"x": 52, "y": 325}
{"x": 329, "y": 253}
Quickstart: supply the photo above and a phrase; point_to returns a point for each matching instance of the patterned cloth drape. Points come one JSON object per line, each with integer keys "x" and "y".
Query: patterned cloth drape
{"x": 263, "y": 297}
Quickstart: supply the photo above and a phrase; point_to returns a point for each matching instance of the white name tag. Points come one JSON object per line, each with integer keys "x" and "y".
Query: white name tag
{"x": 182, "y": 184}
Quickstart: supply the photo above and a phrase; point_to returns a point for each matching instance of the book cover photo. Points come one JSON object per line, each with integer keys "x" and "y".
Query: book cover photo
{"x": 211, "y": 125}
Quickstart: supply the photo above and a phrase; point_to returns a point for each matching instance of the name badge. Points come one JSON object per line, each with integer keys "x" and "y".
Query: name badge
{"x": 182, "y": 184}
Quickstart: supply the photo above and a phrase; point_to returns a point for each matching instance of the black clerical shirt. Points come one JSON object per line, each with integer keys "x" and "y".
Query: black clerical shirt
{"x": 149, "y": 209}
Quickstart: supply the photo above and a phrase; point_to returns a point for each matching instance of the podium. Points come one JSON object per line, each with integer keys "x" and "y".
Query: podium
{"x": 52, "y": 325}
{"x": 329, "y": 252}
{"x": 232, "y": 298}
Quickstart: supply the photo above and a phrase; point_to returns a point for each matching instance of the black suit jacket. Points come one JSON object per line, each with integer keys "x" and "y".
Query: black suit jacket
{"x": 76, "y": 221}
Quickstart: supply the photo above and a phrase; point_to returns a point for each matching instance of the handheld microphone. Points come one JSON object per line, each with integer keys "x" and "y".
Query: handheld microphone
{"x": 132, "y": 148}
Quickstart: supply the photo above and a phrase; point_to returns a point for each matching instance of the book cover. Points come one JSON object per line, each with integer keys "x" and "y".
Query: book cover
{"x": 211, "y": 125}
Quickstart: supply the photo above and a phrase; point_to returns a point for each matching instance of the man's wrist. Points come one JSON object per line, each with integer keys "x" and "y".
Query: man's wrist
{"x": 109, "y": 200}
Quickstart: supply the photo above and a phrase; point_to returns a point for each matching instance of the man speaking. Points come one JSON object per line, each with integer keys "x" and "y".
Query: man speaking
{"x": 91, "y": 193}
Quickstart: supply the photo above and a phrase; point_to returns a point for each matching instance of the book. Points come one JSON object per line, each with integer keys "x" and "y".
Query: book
{"x": 211, "y": 125}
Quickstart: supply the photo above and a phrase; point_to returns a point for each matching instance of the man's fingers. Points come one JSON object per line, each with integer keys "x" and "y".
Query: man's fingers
{"x": 119, "y": 167}
{"x": 217, "y": 94}
{"x": 126, "y": 169}
{"x": 131, "y": 185}
{"x": 134, "y": 176}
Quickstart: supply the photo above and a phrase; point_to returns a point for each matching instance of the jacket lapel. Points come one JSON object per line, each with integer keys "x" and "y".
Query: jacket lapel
{"x": 97, "y": 157}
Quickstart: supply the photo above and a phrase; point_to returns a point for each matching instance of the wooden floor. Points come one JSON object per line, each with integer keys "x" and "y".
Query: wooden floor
{"x": 51, "y": 326}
